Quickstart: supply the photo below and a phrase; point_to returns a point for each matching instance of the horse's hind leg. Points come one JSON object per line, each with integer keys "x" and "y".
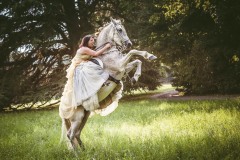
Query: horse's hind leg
{"x": 84, "y": 120}
{"x": 71, "y": 134}
{"x": 65, "y": 126}
{"x": 76, "y": 121}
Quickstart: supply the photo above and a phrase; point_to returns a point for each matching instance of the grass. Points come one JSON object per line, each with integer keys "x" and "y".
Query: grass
{"x": 162, "y": 88}
{"x": 142, "y": 129}
{"x": 140, "y": 93}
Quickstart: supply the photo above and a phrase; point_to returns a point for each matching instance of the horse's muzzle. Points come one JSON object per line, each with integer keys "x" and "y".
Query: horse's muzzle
{"x": 128, "y": 44}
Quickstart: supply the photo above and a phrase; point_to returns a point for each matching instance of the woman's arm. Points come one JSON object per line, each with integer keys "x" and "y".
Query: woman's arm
{"x": 88, "y": 51}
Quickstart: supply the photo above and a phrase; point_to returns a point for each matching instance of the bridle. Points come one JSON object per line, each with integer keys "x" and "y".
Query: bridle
{"x": 123, "y": 40}
{"x": 120, "y": 48}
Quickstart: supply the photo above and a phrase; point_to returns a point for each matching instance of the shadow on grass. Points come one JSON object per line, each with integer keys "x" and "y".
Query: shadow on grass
{"x": 142, "y": 129}
{"x": 145, "y": 111}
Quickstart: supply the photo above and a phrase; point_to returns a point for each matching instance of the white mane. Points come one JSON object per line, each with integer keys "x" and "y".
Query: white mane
{"x": 102, "y": 38}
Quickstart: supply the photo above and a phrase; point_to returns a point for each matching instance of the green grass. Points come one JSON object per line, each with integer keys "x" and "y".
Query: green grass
{"x": 163, "y": 88}
{"x": 140, "y": 94}
{"x": 142, "y": 129}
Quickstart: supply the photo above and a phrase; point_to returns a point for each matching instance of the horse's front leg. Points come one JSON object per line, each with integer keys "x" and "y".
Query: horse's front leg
{"x": 134, "y": 64}
{"x": 133, "y": 52}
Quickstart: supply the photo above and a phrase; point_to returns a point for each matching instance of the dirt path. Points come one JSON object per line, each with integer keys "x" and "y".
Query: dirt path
{"x": 174, "y": 95}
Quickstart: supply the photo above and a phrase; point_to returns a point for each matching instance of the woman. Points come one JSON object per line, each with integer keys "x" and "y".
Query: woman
{"x": 85, "y": 78}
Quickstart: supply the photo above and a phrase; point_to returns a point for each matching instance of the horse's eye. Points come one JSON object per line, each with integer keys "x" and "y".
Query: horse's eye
{"x": 120, "y": 29}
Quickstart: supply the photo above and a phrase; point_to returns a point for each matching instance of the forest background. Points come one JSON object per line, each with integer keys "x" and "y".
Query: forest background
{"x": 197, "y": 43}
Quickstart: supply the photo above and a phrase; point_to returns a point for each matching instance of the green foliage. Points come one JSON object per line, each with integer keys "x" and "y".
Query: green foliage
{"x": 143, "y": 129}
{"x": 38, "y": 38}
{"x": 199, "y": 43}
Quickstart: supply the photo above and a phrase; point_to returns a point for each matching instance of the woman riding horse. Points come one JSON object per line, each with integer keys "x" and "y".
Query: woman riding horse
{"x": 115, "y": 64}
{"x": 85, "y": 78}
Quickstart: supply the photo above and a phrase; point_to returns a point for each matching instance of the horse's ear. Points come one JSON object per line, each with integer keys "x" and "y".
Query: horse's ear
{"x": 100, "y": 29}
{"x": 112, "y": 20}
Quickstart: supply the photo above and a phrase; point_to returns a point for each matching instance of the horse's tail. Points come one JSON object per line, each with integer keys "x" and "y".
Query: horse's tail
{"x": 65, "y": 127}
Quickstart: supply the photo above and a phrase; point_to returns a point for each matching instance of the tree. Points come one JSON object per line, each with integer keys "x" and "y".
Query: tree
{"x": 37, "y": 41}
{"x": 199, "y": 41}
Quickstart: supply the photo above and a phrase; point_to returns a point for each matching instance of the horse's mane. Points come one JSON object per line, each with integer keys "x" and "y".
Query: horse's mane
{"x": 101, "y": 28}
{"x": 102, "y": 38}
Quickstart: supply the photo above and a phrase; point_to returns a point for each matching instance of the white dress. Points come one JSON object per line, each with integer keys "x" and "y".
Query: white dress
{"x": 85, "y": 78}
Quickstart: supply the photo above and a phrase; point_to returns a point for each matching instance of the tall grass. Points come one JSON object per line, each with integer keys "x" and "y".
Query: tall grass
{"x": 143, "y": 129}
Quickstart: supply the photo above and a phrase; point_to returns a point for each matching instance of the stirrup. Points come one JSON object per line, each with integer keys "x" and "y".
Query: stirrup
{"x": 106, "y": 83}
{"x": 113, "y": 79}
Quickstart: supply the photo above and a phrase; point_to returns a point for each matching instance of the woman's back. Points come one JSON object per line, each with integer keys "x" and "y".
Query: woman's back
{"x": 80, "y": 55}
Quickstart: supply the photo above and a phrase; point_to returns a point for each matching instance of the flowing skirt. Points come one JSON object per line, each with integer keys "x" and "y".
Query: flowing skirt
{"x": 81, "y": 88}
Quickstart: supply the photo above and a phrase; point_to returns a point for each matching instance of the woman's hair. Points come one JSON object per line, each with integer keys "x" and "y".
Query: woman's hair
{"x": 85, "y": 40}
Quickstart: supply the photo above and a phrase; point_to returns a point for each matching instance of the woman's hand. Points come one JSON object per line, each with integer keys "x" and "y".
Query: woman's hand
{"x": 108, "y": 45}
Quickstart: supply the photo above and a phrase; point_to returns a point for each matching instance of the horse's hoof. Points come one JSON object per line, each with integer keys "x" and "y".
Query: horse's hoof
{"x": 152, "y": 57}
{"x": 133, "y": 81}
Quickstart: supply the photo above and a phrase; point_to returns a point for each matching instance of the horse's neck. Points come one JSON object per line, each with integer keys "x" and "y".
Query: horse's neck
{"x": 111, "y": 60}
{"x": 103, "y": 36}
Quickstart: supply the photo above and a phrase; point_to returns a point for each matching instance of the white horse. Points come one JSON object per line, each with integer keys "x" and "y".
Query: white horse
{"x": 116, "y": 64}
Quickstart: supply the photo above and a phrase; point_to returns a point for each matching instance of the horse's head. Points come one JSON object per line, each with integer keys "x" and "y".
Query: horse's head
{"x": 113, "y": 32}
{"x": 119, "y": 35}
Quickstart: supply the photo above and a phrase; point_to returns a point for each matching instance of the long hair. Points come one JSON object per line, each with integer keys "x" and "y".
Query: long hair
{"x": 85, "y": 40}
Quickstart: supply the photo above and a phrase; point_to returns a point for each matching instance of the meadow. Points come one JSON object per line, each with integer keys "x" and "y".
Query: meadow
{"x": 150, "y": 129}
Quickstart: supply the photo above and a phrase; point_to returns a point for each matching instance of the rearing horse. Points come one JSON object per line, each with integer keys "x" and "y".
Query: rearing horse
{"x": 117, "y": 65}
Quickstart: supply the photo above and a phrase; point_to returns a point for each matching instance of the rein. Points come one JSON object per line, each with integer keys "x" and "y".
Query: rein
{"x": 101, "y": 46}
{"x": 120, "y": 48}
